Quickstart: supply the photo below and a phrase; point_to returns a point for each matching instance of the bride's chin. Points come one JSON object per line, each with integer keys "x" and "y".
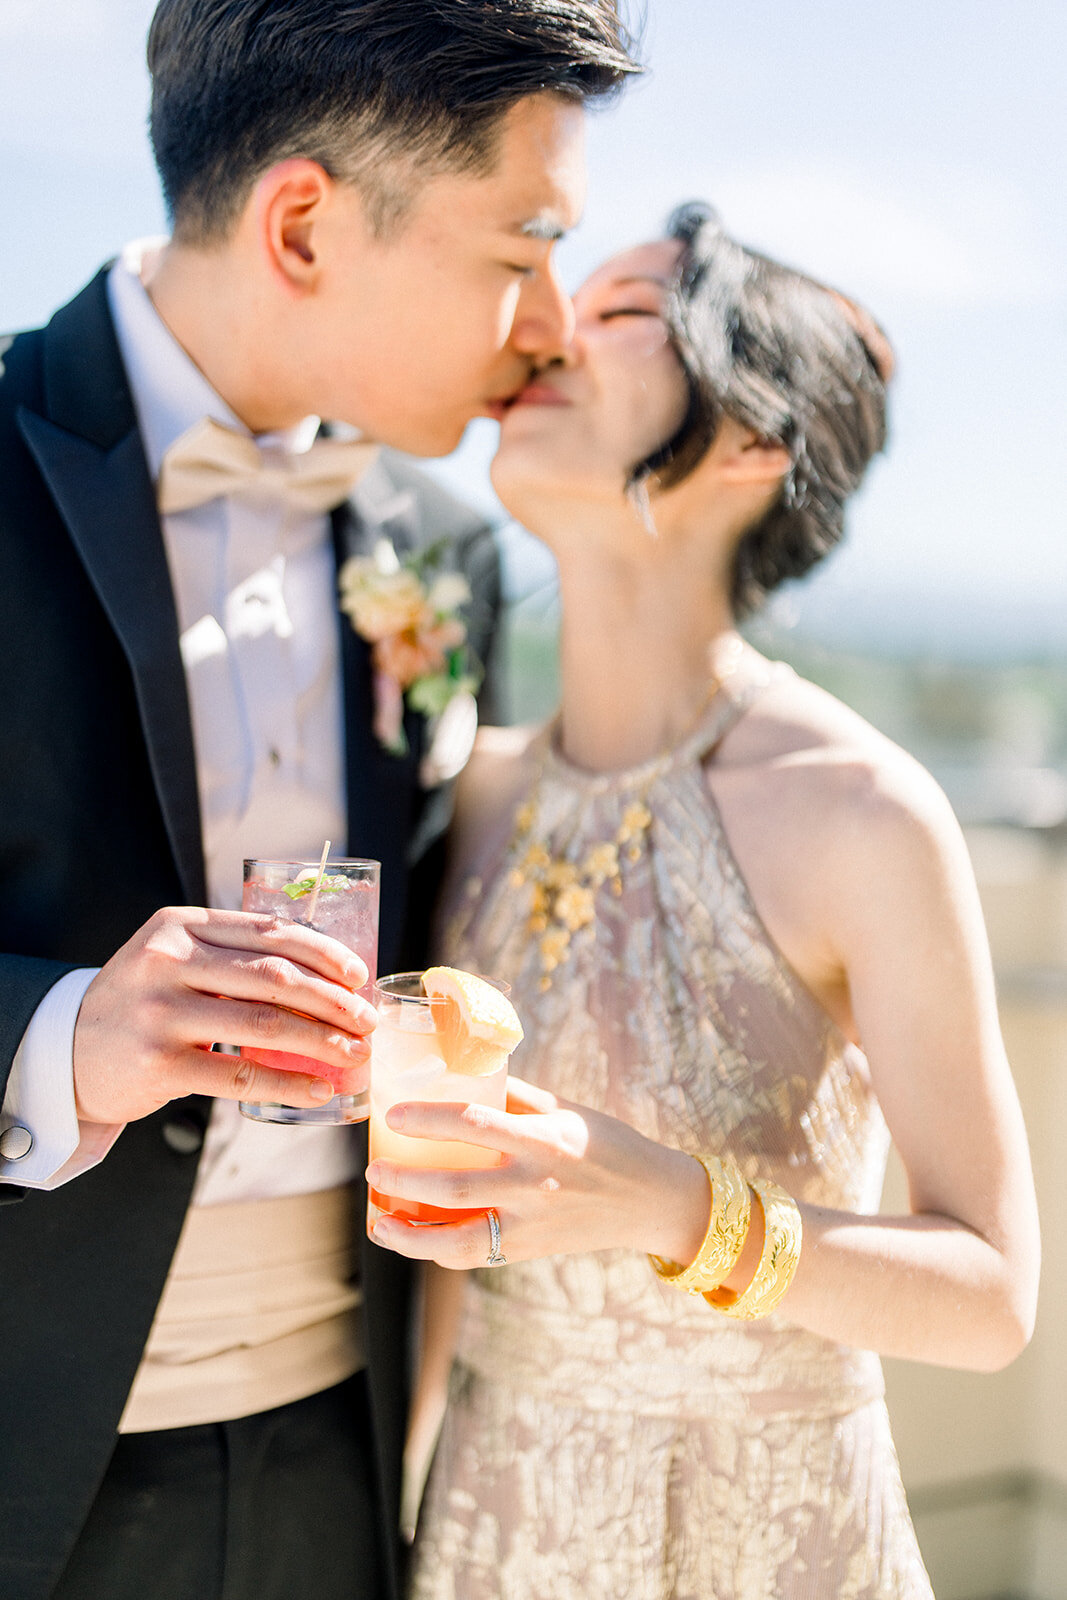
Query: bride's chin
{"x": 515, "y": 471}
{"x": 528, "y": 498}
{"x": 539, "y": 487}
{"x": 519, "y": 500}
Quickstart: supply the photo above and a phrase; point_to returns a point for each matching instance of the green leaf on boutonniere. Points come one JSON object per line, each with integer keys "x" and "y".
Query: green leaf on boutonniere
{"x": 429, "y": 558}
{"x": 431, "y": 694}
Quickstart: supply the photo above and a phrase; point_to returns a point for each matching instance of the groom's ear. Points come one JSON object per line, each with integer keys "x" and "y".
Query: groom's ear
{"x": 289, "y": 212}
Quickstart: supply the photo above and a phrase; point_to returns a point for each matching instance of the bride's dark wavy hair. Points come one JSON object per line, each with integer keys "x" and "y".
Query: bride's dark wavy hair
{"x": 794, "y": 360}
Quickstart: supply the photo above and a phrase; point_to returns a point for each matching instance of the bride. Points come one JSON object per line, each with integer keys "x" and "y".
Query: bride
{"x": 744, "y": 939}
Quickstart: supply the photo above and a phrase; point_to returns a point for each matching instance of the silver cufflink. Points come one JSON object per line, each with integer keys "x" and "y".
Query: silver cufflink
{"x": 15, "y": 1143}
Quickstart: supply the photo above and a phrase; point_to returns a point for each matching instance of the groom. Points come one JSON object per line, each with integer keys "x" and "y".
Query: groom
{"x": 203, "y": 1372}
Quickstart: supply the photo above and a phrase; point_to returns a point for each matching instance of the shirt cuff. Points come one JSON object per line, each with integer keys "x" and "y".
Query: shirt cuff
{"x": 39, "y": 1100}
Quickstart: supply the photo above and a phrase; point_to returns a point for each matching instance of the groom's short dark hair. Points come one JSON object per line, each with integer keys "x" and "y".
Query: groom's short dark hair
{"x": 379, "y": 92}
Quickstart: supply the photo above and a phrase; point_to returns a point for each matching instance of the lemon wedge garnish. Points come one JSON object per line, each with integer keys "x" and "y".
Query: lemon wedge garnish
{"x": 477, "y": 1026}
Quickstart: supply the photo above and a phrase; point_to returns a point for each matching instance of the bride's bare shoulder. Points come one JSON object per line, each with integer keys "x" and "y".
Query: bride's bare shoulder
{"x": 834, "y": 827}
{"x": 803, "y": 755}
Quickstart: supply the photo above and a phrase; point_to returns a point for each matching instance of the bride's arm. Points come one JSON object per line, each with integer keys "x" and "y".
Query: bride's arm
{"x": 954, "y": 1281}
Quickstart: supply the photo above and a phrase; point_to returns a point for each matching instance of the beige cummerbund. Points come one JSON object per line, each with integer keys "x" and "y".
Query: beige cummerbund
{"x": 259, "y": 1309}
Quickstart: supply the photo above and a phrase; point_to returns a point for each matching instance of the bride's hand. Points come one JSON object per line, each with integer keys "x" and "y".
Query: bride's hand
{"x": 570, "y": 1179}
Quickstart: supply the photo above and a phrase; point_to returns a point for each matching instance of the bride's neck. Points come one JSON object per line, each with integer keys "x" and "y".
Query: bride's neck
{"x": 643, "y": 638}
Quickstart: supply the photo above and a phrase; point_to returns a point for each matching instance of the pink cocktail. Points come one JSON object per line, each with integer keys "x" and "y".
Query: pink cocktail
{"x": 346, "y": 908}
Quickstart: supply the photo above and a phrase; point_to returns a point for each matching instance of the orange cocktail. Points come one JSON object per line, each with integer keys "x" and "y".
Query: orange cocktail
{"x": 450, "y": 1047}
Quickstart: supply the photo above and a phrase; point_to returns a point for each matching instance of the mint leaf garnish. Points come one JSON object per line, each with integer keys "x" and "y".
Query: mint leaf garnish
{"x": 302, "y": 886}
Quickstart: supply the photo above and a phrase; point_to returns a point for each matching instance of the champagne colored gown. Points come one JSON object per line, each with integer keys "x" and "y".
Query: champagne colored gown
{"x": 607, "y": 1437}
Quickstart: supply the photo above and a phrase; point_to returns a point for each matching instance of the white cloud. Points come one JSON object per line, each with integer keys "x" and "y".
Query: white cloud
{"x": 73, "y": 83}
{"x": 942, "y": 238}
{"x": 72, "y": 20}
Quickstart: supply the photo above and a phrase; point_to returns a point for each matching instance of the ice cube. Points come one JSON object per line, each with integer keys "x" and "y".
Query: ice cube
{"x": 415, "y": 1019}
{"x": 422, "y": 1074}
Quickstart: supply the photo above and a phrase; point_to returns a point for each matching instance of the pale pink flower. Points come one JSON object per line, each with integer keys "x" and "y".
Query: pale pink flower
{"x": 404, "y": 658}
{"x": 447, "y": 634}
{"x": 418, "y": 652}
{"x": 448, "y": 592}
{"x": 412, "y": 632}
{"x": 380, "y": 603}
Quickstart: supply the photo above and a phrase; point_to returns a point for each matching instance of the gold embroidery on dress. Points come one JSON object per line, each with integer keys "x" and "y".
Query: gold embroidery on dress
{"x": 563, "y": 893}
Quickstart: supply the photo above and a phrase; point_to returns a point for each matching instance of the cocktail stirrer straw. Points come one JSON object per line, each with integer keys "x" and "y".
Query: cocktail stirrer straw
{"x": 313, "y": 902}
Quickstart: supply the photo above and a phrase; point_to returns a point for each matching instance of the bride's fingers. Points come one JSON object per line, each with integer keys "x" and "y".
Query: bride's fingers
{"x": 459, "y": 1245}
{"x": 437, "y": 1186}
{"x": 526, "y": 1097}
{"x": 555, "y": 1135}
{"x": 429, "y": 1119}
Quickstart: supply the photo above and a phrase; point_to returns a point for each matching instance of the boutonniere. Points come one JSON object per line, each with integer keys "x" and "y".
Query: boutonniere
{"x": 408, "y": 613}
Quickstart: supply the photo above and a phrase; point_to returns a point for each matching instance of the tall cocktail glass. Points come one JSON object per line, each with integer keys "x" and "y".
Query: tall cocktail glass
{"x": 346, "y": 908}
{"x": 407, "y": 1064}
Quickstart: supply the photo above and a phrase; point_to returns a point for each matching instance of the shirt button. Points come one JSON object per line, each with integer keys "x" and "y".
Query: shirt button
{"x": 274, "y": 757}
{"x": 15, "y": 1143}
{"x": 183, "y": 1133}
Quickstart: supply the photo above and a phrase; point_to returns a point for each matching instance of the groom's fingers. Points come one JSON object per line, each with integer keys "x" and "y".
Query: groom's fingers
{"x": 191, "y": 976}
{"x": 275, "y": 980}
{"x": 263, "y": 1029}
{"x": 227, "y": 1077}
{"x": 264, "y": 934}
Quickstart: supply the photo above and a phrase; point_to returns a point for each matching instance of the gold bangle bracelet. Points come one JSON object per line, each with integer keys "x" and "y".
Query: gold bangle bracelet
{"x": 778, "y": 1260}
{"x": 725, "y": 1238}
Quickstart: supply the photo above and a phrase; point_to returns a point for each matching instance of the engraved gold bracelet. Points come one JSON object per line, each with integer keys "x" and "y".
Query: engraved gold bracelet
{"x": 725, "y": 1238}
{"x": 778, "y": 1260}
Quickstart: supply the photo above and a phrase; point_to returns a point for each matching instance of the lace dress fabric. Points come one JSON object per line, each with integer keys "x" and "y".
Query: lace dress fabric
{"x": 606, "y": 1435}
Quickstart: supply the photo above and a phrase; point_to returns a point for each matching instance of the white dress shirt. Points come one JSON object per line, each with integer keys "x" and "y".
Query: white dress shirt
{"x": 254, "y": 587}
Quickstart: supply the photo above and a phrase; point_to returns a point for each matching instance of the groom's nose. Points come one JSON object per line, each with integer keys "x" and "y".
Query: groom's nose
{"x": 544, "y": 317}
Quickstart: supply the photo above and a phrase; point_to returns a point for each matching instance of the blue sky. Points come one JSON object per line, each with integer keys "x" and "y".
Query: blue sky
{"x": 913, "y": 153}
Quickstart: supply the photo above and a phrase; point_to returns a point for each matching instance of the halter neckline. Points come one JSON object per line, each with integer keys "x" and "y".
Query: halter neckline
{"x": 728, "y": 703}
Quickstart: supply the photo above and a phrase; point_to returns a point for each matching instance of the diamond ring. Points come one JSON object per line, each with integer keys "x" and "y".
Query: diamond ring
{"x": 495, "y": 1258}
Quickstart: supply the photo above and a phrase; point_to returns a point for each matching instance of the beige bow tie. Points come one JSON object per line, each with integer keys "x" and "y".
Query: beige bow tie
{"x": 210, "y": 460}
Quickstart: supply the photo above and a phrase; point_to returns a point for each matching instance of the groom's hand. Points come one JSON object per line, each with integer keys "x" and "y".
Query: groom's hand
{"x": 190, "y": 977}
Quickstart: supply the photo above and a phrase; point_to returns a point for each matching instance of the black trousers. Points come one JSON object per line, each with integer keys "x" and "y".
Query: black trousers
{"x": 277, "y": 1506}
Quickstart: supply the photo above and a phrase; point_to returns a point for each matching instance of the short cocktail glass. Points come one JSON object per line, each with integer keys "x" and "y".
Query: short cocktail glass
{"x": 346, "y": 908}
{"x": 407, "y": 1064}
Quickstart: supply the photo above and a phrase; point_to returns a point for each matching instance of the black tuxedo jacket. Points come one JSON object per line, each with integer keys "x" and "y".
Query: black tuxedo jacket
{"x": 99, "y": 827}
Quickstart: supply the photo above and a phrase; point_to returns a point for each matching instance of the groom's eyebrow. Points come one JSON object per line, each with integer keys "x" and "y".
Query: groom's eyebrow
{"x": 546, "y": 228}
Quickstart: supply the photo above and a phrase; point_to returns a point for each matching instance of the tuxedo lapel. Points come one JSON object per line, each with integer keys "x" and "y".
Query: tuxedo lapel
{"x": 88, "y": 449}
{"x": 381, "y": 788}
